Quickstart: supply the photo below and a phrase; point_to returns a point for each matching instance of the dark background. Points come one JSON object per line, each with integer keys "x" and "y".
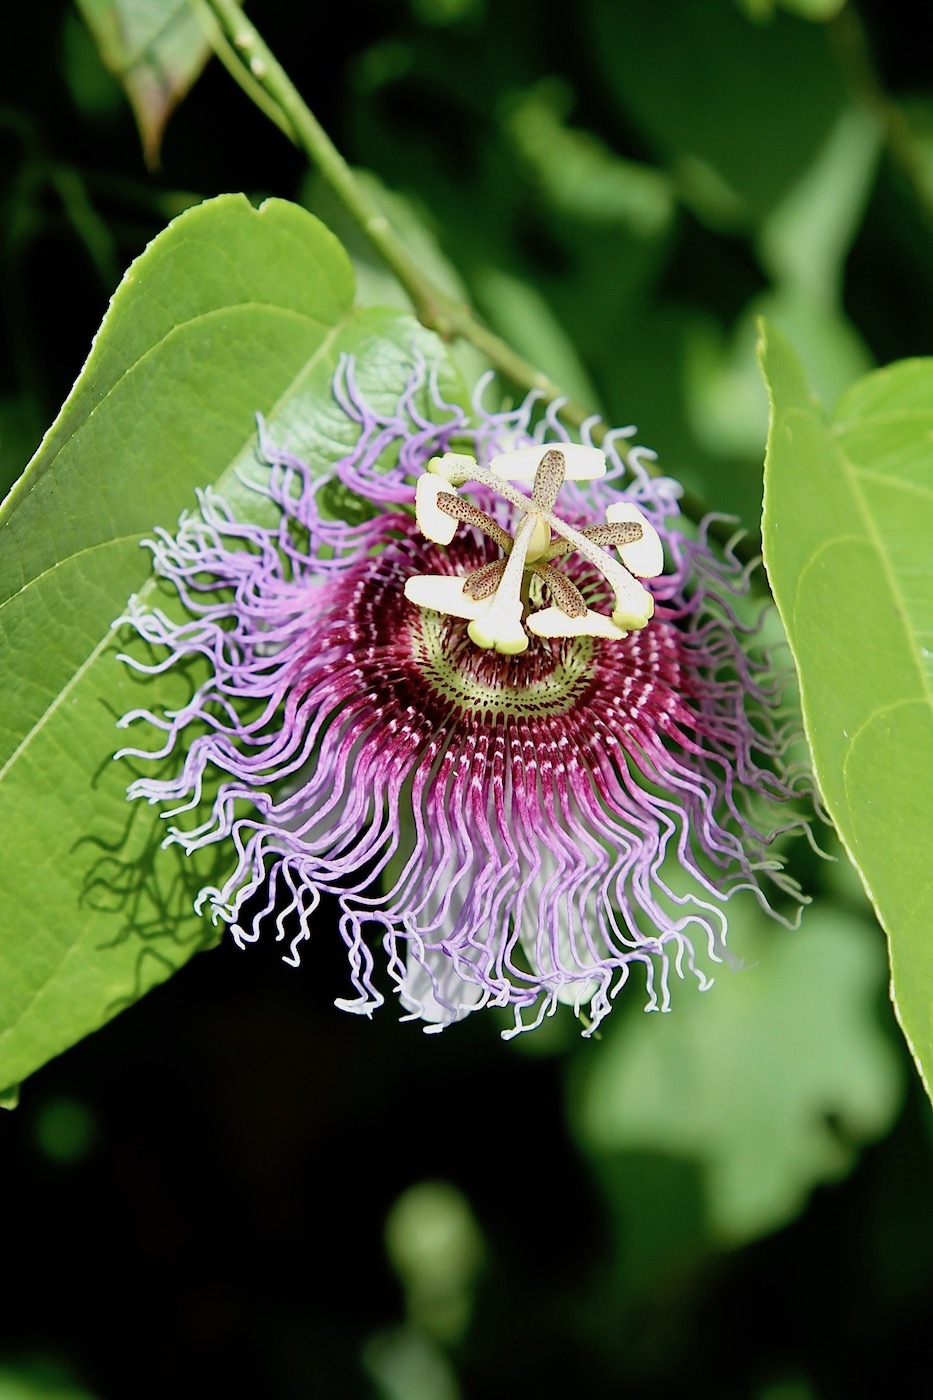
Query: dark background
{"x": 196, "y": 1195}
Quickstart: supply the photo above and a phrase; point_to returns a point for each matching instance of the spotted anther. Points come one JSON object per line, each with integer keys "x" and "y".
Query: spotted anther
{"x": 497, "y": 598}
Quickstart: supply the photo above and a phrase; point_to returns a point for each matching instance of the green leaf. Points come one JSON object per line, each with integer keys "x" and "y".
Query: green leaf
{"x": 805, "y": 239}
{"x": 156, "y": 49}
{"x": 376, "y": 284}
{"x": 819, "y": 11}
{"x": 520, "y": 314}
{"x": 768, "y": 1082}
{"x": 848, "y": 521}
{"x": 916, "y": 110}
{"x": 727, "y": 401}
{"x": 42, "y": 1379}
{"x": 579, "y": 175}
{"x": 802, "y": 244}
{"x": 231, "y": 311}
{"x": 701, "y": 100}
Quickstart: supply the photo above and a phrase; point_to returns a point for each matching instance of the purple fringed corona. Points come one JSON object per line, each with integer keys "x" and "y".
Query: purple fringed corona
{"x": 520, "y": 770}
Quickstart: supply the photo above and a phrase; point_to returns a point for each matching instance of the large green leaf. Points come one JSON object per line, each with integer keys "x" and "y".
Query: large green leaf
{"x": 231, "y": 311}
{"x": 848, "y": 525}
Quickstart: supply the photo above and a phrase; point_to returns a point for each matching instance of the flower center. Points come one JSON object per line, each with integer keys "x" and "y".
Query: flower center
{"x": 496, "y": 598}
{"x": 549, "y": 679}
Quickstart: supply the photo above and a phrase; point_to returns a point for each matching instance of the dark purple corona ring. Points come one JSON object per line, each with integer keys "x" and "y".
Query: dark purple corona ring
{"x": 519, "y": 820}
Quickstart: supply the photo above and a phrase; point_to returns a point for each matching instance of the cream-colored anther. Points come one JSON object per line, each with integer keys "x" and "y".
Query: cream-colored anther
{"x": 644, "y": 557}
{"x": 580, "y": 463}
{"x": 444, "y": 593}
{"x": 634, "y": 605}
{"x": 551, "y": 622}
{"x": 433, "y": 522}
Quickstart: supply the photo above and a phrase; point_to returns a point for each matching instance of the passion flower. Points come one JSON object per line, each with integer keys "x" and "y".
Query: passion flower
{"x": 522, "y": 739}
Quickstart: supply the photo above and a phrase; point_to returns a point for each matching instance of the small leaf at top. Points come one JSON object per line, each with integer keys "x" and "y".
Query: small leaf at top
{"x": 156, "y": 49}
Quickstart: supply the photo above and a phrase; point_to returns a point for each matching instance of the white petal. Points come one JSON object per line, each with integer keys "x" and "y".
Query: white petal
{"x": 581, "y": 463}
{"x": 433, "y": 522}
{"x": 551, "y": 622}
{"x": 444, "y": 593}
{"x": 573, "y": 988}
{"x": 417, "y": 992}
{"x": 644, "y": 557}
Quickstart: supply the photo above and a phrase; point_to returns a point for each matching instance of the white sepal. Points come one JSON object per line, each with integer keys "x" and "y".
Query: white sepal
{"x": 433, "y": 522}
{"x": 644, "y": 557}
